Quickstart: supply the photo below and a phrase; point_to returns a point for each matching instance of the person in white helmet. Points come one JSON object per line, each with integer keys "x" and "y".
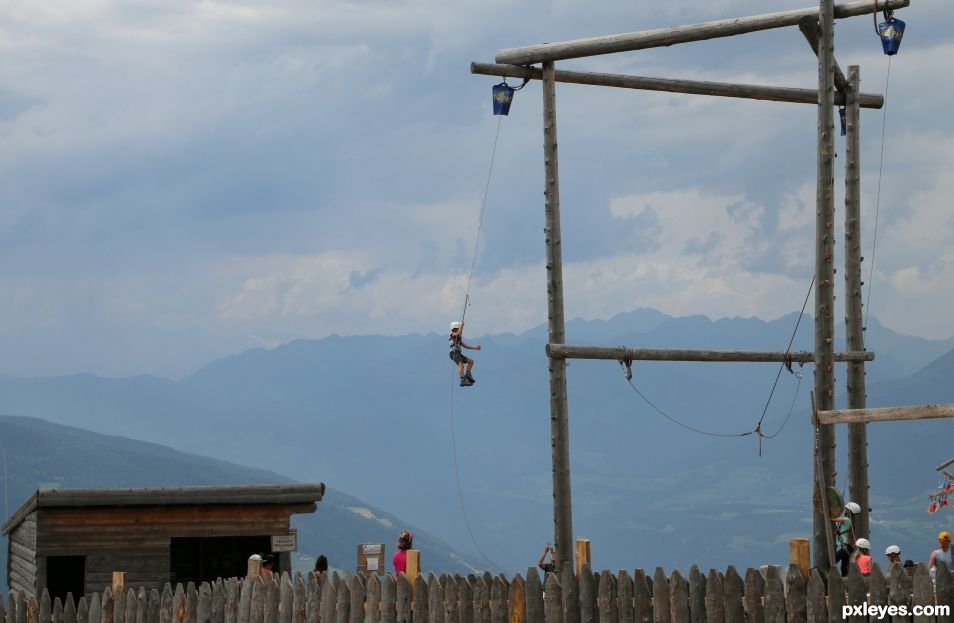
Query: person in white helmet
{"x": 464, "y": 364}
{"x": 845, "y": 536}
{"x": 863, "y": 557}
{"x": 893, "y": 552}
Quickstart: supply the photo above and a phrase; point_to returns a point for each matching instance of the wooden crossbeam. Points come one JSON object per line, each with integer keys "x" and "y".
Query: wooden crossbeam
{"x": 809, "y": 27}
{"x": 886, "y": 414}
{"x": 626, "y": 353}
{"x": 943, "y": 465}
{"x": 662, "y": 37}
{"x": 670, "y": 85}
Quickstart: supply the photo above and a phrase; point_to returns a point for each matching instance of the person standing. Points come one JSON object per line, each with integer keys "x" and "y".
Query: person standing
{"x": 405, "y": 542}
{"x": 893, "y": 552}
{"x": 863, "y": 559}
{"x": 321, "y": 566}
{"x": 548, "y": 567}
{"x": 943, "y": 553}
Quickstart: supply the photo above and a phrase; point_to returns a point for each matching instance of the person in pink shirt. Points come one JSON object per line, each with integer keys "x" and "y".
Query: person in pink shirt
{"x": 405, "y": 542}
{"x": 863, "y": 557}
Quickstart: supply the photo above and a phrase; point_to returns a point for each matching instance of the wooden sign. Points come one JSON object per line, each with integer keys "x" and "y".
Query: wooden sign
{"x": 371, "y": 558}
{"x": 285, "y": 542}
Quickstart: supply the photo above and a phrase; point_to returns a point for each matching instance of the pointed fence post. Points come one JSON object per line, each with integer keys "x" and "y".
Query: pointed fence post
{"x": 774, "y": 596}
{"x": 570, "y": 590}
{"x": 661, "y": 608}
{"x": 734, "y": 589}
{"x": 606, "y": 599}
{"x": 754, "y": 591}
{"x": 552, "y": 600}
{"x": 715, "y": 598}
{"x": 923, "y": 592}
{"x": 588, "y": 610}
{"x": 518, "y": 600}
{"x": 817, "y": 604}
{"x": 534, "y": 590}
{"x": 679, "y": 598}
{"x": 944, "y": 590}
{"x": 857, "y": 593}
{"x": 388, "y": 599}
{"x": 624, "y": 594}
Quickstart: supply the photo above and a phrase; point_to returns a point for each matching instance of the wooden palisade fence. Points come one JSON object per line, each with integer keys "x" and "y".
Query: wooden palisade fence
{"x": 759, "y": 597}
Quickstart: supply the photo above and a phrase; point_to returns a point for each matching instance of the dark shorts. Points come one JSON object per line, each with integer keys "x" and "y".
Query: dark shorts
{"x": 458, "y": 357}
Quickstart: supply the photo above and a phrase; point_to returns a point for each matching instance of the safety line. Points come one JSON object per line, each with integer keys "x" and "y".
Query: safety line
{"x": 480, "y": 218}
{"x": 874, "y": 239}
{"x": 460, "y": 492}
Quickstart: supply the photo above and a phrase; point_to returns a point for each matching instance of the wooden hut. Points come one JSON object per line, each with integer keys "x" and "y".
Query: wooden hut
{"x": 74, "y": 539}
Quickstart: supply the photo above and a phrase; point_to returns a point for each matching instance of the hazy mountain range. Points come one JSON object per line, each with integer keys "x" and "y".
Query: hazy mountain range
{"x": 40, "y": 454}
{"x": 383, "y": 419}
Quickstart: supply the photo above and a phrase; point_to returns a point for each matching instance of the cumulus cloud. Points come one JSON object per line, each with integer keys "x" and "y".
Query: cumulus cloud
{"x": 196, "y": 173}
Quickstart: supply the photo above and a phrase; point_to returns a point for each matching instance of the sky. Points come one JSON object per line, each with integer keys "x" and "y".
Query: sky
{"x": 183, "y": 180}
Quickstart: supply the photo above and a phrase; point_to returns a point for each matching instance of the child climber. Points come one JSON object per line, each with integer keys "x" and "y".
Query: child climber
{"x": 456, "y": 342}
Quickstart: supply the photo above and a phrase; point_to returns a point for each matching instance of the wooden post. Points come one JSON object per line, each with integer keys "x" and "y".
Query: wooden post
{"x": 662, "y": 37}
{"x": 824, "y": 272}
{"x": 119, "y": 583}
{"x": 559, "y": 417}
{"x": 413, "y": 569}
{"x": 582, "y": 555}
{"x": 854, "y": 320}
{"x": 799, "y": 554}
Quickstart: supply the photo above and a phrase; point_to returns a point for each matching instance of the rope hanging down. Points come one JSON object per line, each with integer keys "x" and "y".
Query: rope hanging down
{"x": 786, "y": 365}
{"x": 483, "y": 205}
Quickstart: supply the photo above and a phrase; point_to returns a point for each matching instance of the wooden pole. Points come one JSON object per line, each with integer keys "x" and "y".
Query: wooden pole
{"x": 828, "y": 538}
{"x": 854, "y": 320}
{"x": 692, "y": 87}
{"x": 799, "y": 554}
{"x": 559, "y": 417}
{"x": 885, "y": 414}
{"x": 663, "y": 37}
{"x": 626, "y": 353}
{"x": 809, "y": 27}
{"x": 582, "y": 555}
{"x": 824, "y": 273}
{"x": 943, "y": 465}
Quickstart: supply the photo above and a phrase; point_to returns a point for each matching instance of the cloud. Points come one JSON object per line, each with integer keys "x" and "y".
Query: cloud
{"x": 195, "y": 173}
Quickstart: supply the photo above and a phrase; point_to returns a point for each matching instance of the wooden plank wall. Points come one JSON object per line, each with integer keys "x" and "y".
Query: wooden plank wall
{"x": 22, "y": 556}
{"x": 761, "y": 597}
{"x": 83, "y": 531}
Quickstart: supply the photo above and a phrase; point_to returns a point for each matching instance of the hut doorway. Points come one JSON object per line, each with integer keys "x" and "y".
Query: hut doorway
{"x": 203, "y": 559}
{"x": 66, "y": 574}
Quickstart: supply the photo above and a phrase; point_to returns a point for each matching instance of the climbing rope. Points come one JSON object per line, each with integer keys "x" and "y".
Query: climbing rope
{"x": 480, "y": 219}
{"x": 460, "y": 491}
{"x": 786, "y": 365}
{"x": 874, "y": 239}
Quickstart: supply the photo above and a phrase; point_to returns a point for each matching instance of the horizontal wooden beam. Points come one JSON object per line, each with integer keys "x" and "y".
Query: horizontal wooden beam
{"x": 809, "y": 27}
{"x": 662, "y": 37}
{"x": 625, "y": 353}
{"x": 885, "y": 414}
{"x": 694, "y": 87}
{"x": 943, "y": 465}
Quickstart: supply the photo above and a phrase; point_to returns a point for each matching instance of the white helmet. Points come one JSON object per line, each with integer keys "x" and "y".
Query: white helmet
{"x": 455, "y": 325}
{"x": 863, "y": 543}
{"x": 892, "y": 549}
{"x": 853, "y": 507}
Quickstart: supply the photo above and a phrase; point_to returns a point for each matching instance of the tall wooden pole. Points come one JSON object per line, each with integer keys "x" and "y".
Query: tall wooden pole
{"x": 854, "y": 322}
{"x": 559, "y": 419}
{"x": 824, "y": 272}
